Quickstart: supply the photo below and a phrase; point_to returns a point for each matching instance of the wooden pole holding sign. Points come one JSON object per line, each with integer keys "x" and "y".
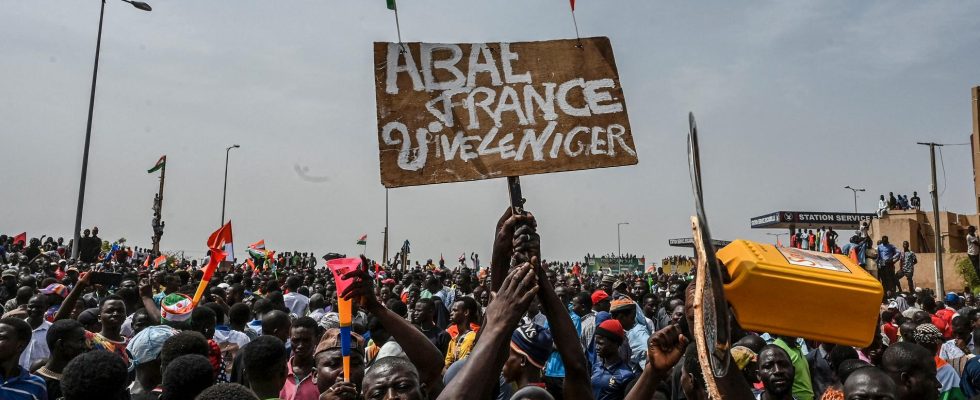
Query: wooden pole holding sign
{"x": 517, "y": 208}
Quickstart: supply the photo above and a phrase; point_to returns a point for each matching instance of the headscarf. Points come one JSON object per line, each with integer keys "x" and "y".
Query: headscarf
{"x": 928, "y": 334}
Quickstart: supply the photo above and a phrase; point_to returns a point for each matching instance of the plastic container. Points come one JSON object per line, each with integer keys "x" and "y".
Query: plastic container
{"x": 793, "y": 292}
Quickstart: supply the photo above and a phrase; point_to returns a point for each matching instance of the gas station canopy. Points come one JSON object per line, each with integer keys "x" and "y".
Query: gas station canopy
{"x": 689, "y": 243}
{"x": 810, "y": 220}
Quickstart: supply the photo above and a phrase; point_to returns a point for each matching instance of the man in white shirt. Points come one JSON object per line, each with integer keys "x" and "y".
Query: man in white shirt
{"x": 962, "y": 329}
{"x": 318, "y": 306}
{"x": 37, "y": 349}
{"x": 296, "y": 302}
{"x": 973, "y": 248}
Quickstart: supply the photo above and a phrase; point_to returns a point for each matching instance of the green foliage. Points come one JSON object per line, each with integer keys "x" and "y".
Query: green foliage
{"x": 965, "y": 269}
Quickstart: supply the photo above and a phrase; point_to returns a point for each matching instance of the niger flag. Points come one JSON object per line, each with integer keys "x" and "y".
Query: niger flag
{"x": 160, "y": 164}
{"x": 159, "y": 261}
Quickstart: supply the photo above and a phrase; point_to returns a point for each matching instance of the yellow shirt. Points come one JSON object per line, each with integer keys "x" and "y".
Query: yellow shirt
{"x": 460, "y": 347}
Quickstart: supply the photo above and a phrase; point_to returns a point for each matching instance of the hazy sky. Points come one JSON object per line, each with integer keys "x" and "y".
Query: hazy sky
{"x": 795, "y": 99}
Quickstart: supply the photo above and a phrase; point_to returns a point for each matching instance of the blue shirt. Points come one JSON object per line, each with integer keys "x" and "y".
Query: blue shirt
{"x": 638, "y": 336}
{"x": 23, "y": 386}
{"x": 609, "y": 383}
{"x": 886, "y": 252}
{"x": 555, "y": 367}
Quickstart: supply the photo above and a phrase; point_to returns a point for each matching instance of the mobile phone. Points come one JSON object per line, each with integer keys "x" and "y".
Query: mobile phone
{"x": 105, "y": 278}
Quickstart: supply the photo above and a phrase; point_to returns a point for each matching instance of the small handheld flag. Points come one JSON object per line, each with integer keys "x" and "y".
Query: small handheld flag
{"x": 21, "y": 238}
{"x": 339, "y": 267}
{"x": 159, "y": 261}
{"x": 393, "y": 7}
{"x": 362, "y": 240}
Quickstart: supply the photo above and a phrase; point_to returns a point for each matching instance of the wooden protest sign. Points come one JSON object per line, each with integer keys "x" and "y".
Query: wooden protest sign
{"x": 461, "y": 112}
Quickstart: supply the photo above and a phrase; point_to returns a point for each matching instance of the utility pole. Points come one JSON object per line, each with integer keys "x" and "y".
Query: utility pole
{"x": 158, "y": 214}
{"x": 937, "y": 228}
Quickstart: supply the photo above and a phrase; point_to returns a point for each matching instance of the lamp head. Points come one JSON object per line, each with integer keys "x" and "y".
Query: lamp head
{"x": 140, "y": 5}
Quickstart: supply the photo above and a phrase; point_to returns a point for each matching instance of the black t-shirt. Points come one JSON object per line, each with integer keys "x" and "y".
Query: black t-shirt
{"x": 440, "y": 338}
{"x": 53, "y": 383}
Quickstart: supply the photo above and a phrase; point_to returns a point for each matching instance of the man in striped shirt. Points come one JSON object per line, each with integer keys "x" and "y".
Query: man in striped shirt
{"x": 17, "y": 383}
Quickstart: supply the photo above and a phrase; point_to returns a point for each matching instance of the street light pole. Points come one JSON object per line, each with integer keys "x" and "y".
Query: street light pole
{"x": 619, "y": 245}
{"x": 88, "y": 129}
{"x": 224, "y": 193}
{"x": 855, "y": 190}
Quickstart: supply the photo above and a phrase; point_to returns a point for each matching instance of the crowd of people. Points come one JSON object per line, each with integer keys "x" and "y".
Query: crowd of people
{"x": 899, "y": 203}
{"x": 823, "y": 239}
{"x": 518, "y": 328}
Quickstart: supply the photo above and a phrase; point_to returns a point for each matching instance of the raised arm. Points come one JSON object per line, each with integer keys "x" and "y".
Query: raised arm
{"x": 502, "y": 247}
{"x": 68, "y": 305}
{"x": 146, "y": 295}
{"x": 577, "y": 384}
{"x": 664, "y": 350}
{"x": 479, "y": 376}
{"x": 413, "y": 342}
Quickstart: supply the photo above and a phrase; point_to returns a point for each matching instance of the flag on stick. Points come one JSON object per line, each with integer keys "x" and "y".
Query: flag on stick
{"x": 260, "y": 245}
{"x": 362, "y": 240}
{"x": 160, "y": 164}
{"x": 572, "y": 2}
{"x": 393, "y": 7}
{"x": 159, "y": 261}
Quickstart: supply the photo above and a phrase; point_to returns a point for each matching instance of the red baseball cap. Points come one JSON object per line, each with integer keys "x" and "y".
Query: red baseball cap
{"x": 612, "y": 329}
{"x": 599, "y": 295}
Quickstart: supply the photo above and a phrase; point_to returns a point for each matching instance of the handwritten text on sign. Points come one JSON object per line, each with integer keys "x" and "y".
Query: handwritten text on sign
{"x": 460, "y": 112}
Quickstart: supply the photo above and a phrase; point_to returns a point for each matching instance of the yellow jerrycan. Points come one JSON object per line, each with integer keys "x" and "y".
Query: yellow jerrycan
{"x": 793, "y": 292}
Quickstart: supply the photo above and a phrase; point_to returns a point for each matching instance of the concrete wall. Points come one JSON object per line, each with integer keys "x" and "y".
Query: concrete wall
{"x": 916, "y": 227}
{"x": 925, "y": 272}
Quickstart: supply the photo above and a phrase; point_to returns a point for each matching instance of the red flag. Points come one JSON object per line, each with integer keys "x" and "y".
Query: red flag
{"x": 572, "y": 2}
{"x": 22, "y": 238}
{"x": 221, "y": 236}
